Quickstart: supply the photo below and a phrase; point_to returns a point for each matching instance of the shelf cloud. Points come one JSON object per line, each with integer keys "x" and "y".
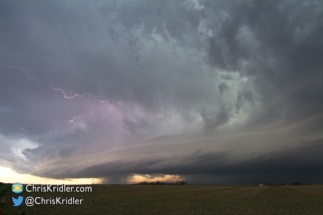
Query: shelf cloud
{"x": 208, "y": 91}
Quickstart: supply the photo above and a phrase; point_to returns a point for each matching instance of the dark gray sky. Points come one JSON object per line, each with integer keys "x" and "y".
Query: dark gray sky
{"x": 211, "y": 91}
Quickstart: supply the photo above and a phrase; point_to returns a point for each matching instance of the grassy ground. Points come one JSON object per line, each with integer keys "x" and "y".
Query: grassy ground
{"x": 3, "y": 189}
{"x": 154, "y": 200}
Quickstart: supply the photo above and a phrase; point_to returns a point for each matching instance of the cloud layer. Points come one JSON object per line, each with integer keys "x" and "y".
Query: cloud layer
{"x": 211, "y": 91}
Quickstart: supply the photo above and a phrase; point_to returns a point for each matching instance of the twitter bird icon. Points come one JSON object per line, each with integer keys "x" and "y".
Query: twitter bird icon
{"x": 18, "y": 201}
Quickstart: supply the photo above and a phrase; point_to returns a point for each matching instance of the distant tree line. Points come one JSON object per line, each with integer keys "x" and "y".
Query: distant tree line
{"x": 275, "y": 184}
{"x": 296, "y": 183}
{"x": 1, "y": 183}
{"x": 282, "y": 184}
{"x": 163, "y": 183}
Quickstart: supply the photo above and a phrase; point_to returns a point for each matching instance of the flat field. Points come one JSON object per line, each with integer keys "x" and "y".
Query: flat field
{"x": 3, "y": 188}
{"x": 190, "y": 199}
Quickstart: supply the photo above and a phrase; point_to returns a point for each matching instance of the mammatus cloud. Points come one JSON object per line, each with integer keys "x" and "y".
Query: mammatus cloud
{"x": 210, "y": 91}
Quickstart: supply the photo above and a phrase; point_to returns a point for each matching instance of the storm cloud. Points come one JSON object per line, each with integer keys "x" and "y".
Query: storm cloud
{"x": 211, "y": 91}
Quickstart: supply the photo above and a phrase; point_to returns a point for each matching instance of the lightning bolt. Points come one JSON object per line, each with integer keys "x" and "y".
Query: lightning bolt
{"x": 53, "y": 88}
{"x": 76, "y": 117}
{"x": 60, "y": 90}
{"x": 102, "y": 101}
{"x": 69, "y": 121}
{"x": 69, "y": 97}
{"x": 72, "y": 120}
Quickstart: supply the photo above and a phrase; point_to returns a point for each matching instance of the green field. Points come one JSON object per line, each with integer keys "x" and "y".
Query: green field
{"x": 181, "y": 200}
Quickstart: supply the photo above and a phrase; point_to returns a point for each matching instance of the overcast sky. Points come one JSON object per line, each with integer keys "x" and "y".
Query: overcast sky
{"x": 207, "y": 91}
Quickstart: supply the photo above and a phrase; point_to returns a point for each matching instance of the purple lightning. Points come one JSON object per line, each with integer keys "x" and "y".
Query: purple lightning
{"x": 102, "y": 101}
{"x": 22, "y": 69}
{"x": 58, "y": 89}
{"x": 53, "y": 88}
{"x": 72, "y": 120}
{"x": 76, "y": 117}
{"x": 69, "y": 97}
